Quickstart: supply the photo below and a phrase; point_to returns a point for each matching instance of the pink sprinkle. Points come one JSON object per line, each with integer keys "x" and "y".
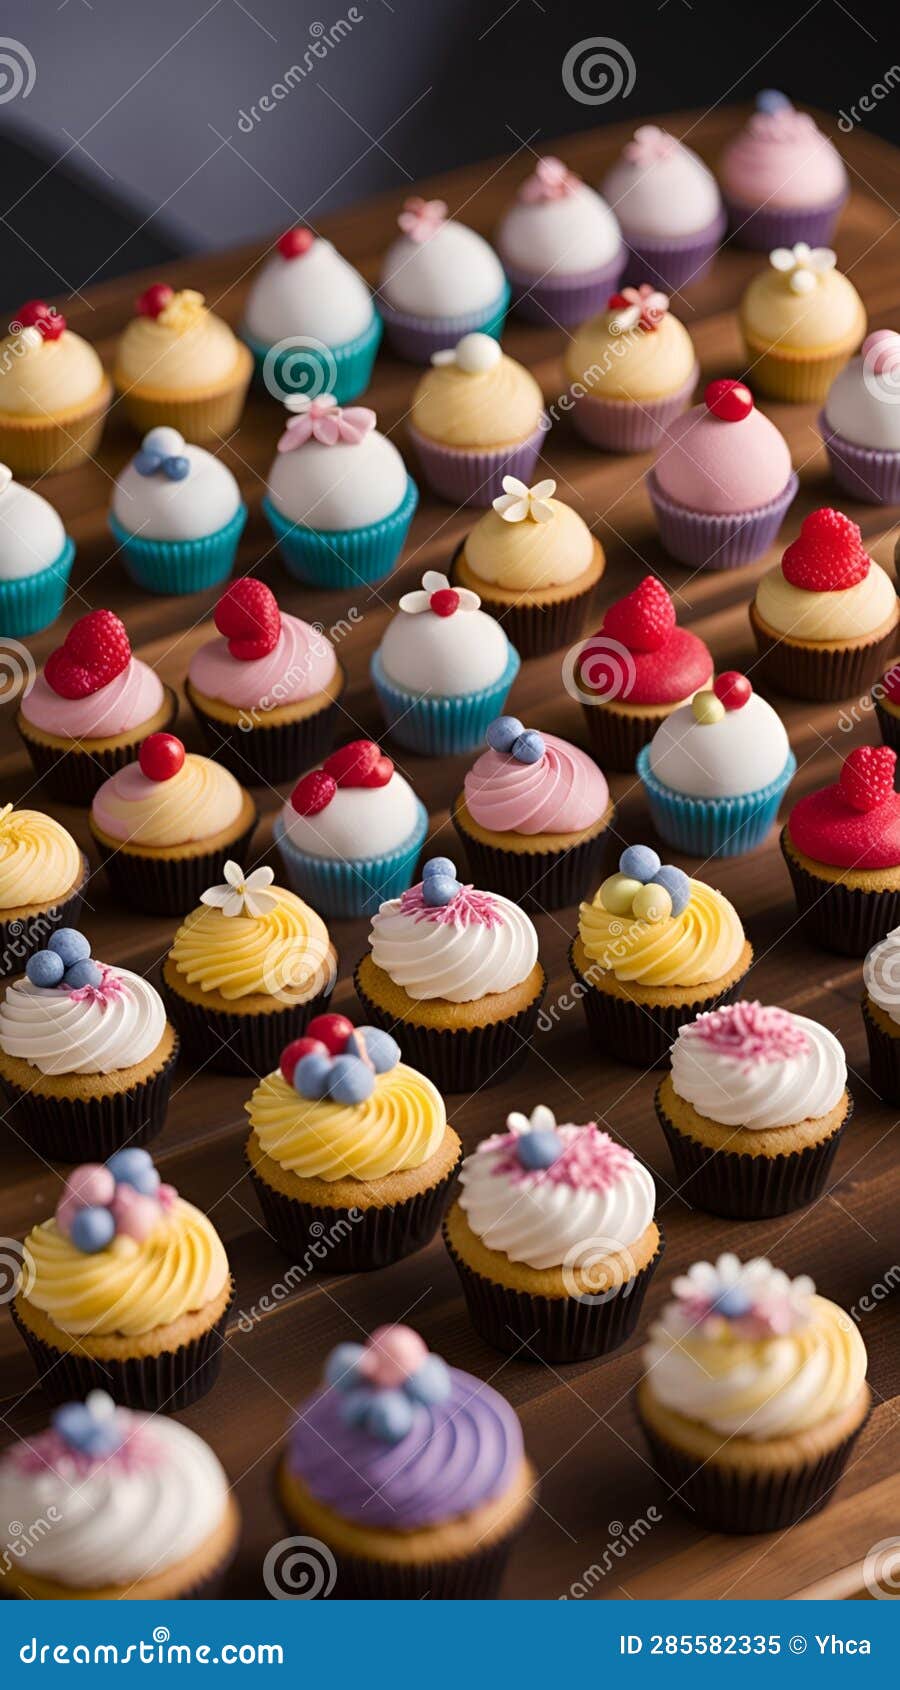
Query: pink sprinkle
{"x": 138, "y": 1450}
{"x": 111, "y": 986}
{"x": 749, "y": 1033}
{"x": 591, "y": 1160}
{"x": 467, "y": 909}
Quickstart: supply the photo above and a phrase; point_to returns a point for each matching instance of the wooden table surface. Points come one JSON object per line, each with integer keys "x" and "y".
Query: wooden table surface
{"x": 579, "y": 1422}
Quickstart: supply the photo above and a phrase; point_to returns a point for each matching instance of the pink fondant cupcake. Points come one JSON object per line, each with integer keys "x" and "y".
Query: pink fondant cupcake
{"x": 669, "y": 208}
{"x": 87, "y": 713}
{"x": 561, "y": 246}
{"x": 783, "y": 180}
{"x": 723, "y": 482}
{"x": 265, "y": 692}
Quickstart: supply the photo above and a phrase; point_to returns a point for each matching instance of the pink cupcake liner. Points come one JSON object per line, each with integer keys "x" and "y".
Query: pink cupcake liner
{"x": 475, "y": 478}
{"x": 718, "y": 542}
{"x": 560, "y": 300}
{"x": 760, "y": 228}
{"x": 677, "y": 262}
{"x": 863, "y": 472}
{"x": 622, "y": 425}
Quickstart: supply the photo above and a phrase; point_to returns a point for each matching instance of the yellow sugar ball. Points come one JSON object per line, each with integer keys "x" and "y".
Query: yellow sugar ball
{"x": 707, "y": 708}
{"x": 617, "y": 894}
{"x": 652, "y": 903}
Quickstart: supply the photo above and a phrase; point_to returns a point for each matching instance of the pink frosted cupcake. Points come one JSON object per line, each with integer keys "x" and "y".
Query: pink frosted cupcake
{"x": 561, "y": 246}
{"x": 783, "y": 180}
{"x": 669, "y": 208}
{"x": 86, "y": 714}
{"x": 265, "y": 692}
{"x": 722, "y": 484}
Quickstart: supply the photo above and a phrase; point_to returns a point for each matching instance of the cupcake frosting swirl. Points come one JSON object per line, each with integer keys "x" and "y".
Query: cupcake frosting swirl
{"x": 39, "y": 860}
{"x": 124, "y": 703}
{"x": 756, "y": 1067}
{"x": 563, "y": 792}
{"x": 455, "y": 956}
{"x": 477, "y": 408}
{"x": 201, "y": 800}
{"x": 190, "y": 352}
{"x": 702, "y": 943}
{"x": 529, "y": 556}
{"x": 398, "y": 1127}
{"x": 282, "y": 952}
{"x": 41, "y": 378}
{"x": 301, "y": 664}
{"x": 640, "y": 366}
{"x": 92, "y": 1030}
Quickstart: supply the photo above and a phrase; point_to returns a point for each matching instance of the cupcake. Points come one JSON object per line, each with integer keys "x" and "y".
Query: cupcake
{"x": 178, "y": 365}
{"x": 561, "y": 246}
{"x": 801, "y": 320}
{"x": 881, "y": 1015}
{"x": 43, "y": 874}
{"x": 54, "y": 394}
{"x": 842, "y": 849}
{"x": 36, "y": 556}
{"x": 443, "y": 669}
{"x": 553, "y": 1238}
{"x": 439, "y": 281}
{"x": 177, "y": 516}
{"x": 825, "y": 617}
{"x": 654, "y": 949}
{"x": 860, "y": 423}
{"x": 125, "y": 1290}
{"x": 476, "y": 417}
{"x": 456, "y": 973}
{"x": 753, "y": 1110}
{"x": 339, "y": 499}
{"x": 669, "y": 209}
{"x": 631, "y": 370}
{"x": 783, "y": 180}
{"x": 722, "y": 483}
{"x": 411, "y": 1475}
{"x": 753, "y": 1397}
{"x": 86, "y": 714}
{"x": 533, "y": 817}
{"x": 886, "y": 699}
{"x": 634, "y": 671}
{"x": 266, "y": 691}
{"x": 717, "y": 769}
{"x": 310, "y": 321}
{"x": 140, "y": 1508}
{"x": 351, "y": 832}
{"x": 86, "y": 1053}
{"x": 535, "y": 564}
{"x": 249, "y": 966}
{"x": 349, "y": 1145}
{"x": 166, "y": 824}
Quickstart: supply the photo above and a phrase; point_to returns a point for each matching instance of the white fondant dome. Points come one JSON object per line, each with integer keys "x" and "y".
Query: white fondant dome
{"x": 865, "y": 407}
{"x": 341, "y": 486}
{"x": 451, "y": 273}
{"x": 317, "y": 293}
{"x": 31, "y": 532}
{"x": 360, "y": 821}
{"x": 444, "y": 656}
{"x": 743, "y": 751}
{"x": 561, "y": 237}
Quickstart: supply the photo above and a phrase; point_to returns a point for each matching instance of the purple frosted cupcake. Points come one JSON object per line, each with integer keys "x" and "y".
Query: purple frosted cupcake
{"x": 669, "y": 209}
{"x": 783, "y": 180}
{"x": 631, "y": 371}
{"x": 411, "y": 1474}
{"x": 860, "y": 423}
{"x": 477, "y": 416}
{"x": 561, "y": 246}
{"x": 439, "y": 280}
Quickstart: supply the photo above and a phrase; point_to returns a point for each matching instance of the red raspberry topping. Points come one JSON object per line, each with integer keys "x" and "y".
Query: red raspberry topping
{"x": 730, "y": 401}
{"x": 867, "y": 777}
{"x": 37, "y": 314}
{"x": 333, "y": 1030}
{"x": 154, "y": 299}
{"x": 249, "y": 617}
{"x": 297, "y": 1049}
{"x": 295, "y": 242}
{"x": 161, "y": 756}
{"x": 313, "y": 793}
{"x": 644, "y": 620}
{"x": 732, "y": 689}
{"x": 95, "y": 650}
{"x": 361, "y": 763}
{"x": 827, "y": 555}
{"x": 617, "y": 302}
{"x": 445, "y": 601}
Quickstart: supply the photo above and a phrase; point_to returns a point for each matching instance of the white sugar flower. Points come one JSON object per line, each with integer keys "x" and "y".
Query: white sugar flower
{"x": 416, "y": 602}
{"x": 242, "y": 894}
{"x": 518, "y": 502}
{"x": 804, "y": 266}
{"x": 541, "y": 1120}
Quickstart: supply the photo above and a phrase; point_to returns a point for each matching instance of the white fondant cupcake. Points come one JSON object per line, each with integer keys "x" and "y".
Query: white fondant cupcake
{"x": 561, "y": 246}
{"x": 36, "y": 556}
{"x": 439, "y": 280}
{"x": 310, "y": 321}
{"x": 860, "y": 423}
{"x": 177, "y": 515}
{"x": 669, "y": 208}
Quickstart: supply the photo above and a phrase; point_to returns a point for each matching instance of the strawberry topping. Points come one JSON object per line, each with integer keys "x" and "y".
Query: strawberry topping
{"x": 644, "y": 620}
{"x": 867, "y": 777}
{"x": 95, "y": 650}
{"x": 247, "y": 615}
{"x": 313, "y": 793}
{"x": 361, "y": 763}
{"x": 828, "y": 554}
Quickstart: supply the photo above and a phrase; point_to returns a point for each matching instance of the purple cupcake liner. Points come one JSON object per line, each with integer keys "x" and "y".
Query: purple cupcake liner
{"x": 760, "y": 228}
{"x": 243, "y": 1043}
{"x": 558, "y": 301}
{"x": 704, "y": 541}
{"x": 840, "y": 918}
{"x": 460, "y": 1059}
{"x": 20, "y": 935}
{"x": 869, "y": 475}
{"x": 622, "y": 425}
{"x": 416, "y": 338}
{"x": 75, "y": 775}
{"x": 640, "y": 1034}
{"x": 476, "y": 478}
{"x": 89, "y": 1129}
{"x": 677, "y": 262}
{"x": 884, "y": 1057}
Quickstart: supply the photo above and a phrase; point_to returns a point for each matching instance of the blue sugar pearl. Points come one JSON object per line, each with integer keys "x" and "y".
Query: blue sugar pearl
{"x": 539, "y": 1149}
{"x": 439, "y": 865}
{"x": 342, "y": 1365}
{"x": 732, "y": 1304}
{"x": 147, "y": 463}
{"x": 311, "y": 1076}
{"x": 92, "y": 1229}
{"x": 383, "y": 1051}
{"x": 771, "y": 100}
{"x": 529, "y": 747}
{"x": 176, "y": 469}
{"x": 83, "y": 974}
{"x": 45, "y": 968}
{"x": 439, "y": 889}
{"x": 430, "y": 1382}
{"x": 82, "y": 1431}
{"x": 70, "y": 945}
{"x": 134, "y": 1167}
{"x": 677, "y": 884}
{"x": 355, "y": 1405}
{"x": 351, "y": 1080}
{"x": 390, "y": 1416}
{"x": 503, "y": 732}
{"x": 639, "y": 863}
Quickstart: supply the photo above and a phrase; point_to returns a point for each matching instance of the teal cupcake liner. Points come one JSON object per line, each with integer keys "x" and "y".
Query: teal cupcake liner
{"x": 714, "y": 827}
{"x": 441, "y": 727}
{"x": 34, "y": 601}
{"x": 343, "y": 557}
{"x": 180, "y": 566}
{"x": 302, "y": 364}
{"x": 339, "y": 887}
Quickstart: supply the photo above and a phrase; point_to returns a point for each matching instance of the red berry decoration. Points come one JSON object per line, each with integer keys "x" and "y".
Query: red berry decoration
{"x": 732, "y": 689}
{"x": 730, "y": 401}
{"x": 361, "y": 763}
{"x": 644, "y": 620}
{"x": 154, "y": 299}
{"x": 445, "y": 601}
{"x": 617, "y": 302}
{"x": 827, "y": 555}
{"x": 37, "y": 314}
{"x": 313, "y": 793}
{"x": 95, "y": 650}
{"x": 249, "y": 617}
{"x": 297, "y": 1049}
{"x": 295, "y": 242}
{"x": 867, "y": 777}
{"x": 161, "y": 756}
{"x": 333, "y": 1030}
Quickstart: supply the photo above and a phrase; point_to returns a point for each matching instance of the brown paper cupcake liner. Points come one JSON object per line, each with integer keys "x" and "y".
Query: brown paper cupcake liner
{"x": 470, "y": 1578}
{"x": 73, "y": 776}
{"x": 460, "y": 1059}
{"x": 837, "y": 917}
{"x": 884, "y": 1058}
{"x": 727, "y": 1499}
{"x": 328, "y": 1240}
{"x": 273, "y": 754}
{"x": 889, "y": 725}
{"x": 168, "y": 1381}
{"x": 748, "y": 1188}
{"x": 78, "y": 1129}
{"x": 554, "y": 1329}
{"x": 243, "y": 1043}
{"x": 816, "y": 674}
{"x": 169, "y": 885}
{"x": 535, "y": 629}
{"x": 640, "y": 1034}
{"x": 20, "y": 936}
{"x": 38, "y": 446}
{"x": 616, "y": 739}
{"x": 537, "y": 880}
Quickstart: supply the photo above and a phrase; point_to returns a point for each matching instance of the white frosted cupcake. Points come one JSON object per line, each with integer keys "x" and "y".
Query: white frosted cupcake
{"x": 860, "y": 423}
{"x": 36, "y": 556}
{"x": 669, "y": 209}
{"x": 439, "y": 280}
{"x": 310, "y": 321}
{"x": 177, "y": 515}
{"x": 561, "y": 246}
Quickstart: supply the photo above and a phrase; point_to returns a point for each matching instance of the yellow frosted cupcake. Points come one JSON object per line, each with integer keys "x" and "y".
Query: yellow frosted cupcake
{"x": 54, "y": 394}
{"x": 42, "y": 876}
{"x": 631, "y": 370}
{"x": 801, "y": 320}
{"x": 349, "y": 1150}
{"x": 477, "y": 416}
{"x": 179, "y": 366}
